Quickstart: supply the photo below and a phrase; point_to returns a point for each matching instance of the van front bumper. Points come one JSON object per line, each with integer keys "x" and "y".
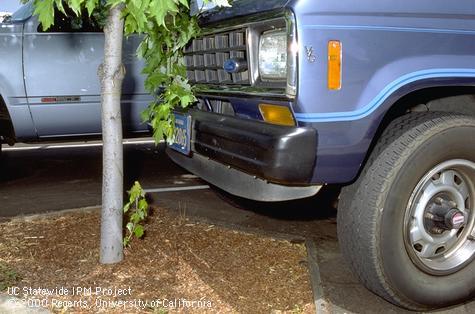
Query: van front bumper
{"x": 250, "y": 158}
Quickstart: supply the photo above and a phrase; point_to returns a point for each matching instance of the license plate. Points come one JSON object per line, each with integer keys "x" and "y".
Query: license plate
{"x": 182, "y": 133}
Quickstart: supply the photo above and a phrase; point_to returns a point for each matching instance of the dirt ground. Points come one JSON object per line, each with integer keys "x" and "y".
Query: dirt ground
{"x": 180, "y": 266}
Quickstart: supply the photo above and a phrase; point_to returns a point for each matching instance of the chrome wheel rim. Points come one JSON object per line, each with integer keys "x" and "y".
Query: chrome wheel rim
{"x": 439, "y": 222}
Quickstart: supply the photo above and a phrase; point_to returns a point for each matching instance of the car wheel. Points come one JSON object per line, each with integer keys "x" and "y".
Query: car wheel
{"x": 406, "y": 226}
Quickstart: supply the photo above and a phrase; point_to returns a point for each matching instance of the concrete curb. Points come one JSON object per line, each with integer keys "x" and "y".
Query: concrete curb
{"x": 321, "y": 305}
{"x": 9, "y": 304}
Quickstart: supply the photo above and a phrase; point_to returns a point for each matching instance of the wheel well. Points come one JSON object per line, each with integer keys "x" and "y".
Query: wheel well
{"x": 456, "y": 99}
{"x": 447, "y": 99}
{"x": 7, "y": 133}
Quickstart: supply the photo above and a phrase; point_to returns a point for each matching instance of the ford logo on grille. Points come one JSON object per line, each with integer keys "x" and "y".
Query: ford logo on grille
{"x": 235, "y": 65}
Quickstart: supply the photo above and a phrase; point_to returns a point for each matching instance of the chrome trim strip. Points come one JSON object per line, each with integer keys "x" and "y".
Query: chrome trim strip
{"x": 253, "y": 55}
{"x": 241, "y": 91}
{"x": 292, "y": 55}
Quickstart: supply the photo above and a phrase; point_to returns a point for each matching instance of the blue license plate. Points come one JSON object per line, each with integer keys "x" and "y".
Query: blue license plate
{"x": 182, "y": 133}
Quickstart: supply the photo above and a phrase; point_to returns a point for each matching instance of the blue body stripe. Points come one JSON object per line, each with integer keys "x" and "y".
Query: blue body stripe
{"x": 393, "y": 29}
{"x": 383, "y": 95}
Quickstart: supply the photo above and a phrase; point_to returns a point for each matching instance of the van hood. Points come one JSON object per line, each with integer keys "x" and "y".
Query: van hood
{"x": 241, "y": 8}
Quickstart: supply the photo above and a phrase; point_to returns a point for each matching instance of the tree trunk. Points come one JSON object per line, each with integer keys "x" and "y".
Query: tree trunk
{"x": 111, "y": 74}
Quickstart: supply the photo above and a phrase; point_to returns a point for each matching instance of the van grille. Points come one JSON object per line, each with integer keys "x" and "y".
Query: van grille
{"x": 216, "y": 106}
{"x": 205, "y": 57}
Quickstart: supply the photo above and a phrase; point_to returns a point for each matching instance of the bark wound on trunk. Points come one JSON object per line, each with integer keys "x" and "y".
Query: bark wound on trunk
{"x": 111, "y": 74}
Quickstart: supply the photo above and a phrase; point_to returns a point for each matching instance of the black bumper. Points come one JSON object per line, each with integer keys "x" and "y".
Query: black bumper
{"x": 279, "y": 154}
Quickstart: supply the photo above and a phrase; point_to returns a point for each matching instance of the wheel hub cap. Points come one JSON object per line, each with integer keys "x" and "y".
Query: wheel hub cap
{"x": 454, "y": 219}
{"x": 440, "y": 218}
{"x": 441, "y": 215}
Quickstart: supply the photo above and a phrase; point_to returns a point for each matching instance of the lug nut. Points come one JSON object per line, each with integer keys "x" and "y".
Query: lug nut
{"x": 439, "y": 200}
{"x": 429, "y": 216}
{"x": 437, "y": 230}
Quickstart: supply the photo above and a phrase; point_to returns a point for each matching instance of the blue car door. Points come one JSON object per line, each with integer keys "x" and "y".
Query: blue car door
{"x": 62, "y": 86}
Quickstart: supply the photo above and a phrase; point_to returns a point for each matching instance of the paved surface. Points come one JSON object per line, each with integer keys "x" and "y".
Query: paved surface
{"x": 54, "y": 178}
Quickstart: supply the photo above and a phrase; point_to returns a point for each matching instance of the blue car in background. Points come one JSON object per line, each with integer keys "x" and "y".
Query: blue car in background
{"x": 49, "y": 87}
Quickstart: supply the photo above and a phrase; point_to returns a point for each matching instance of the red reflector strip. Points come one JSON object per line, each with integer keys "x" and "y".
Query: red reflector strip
{"x": 48, "y": 99}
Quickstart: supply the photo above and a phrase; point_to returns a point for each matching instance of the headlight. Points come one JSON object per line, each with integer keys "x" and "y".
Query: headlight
{"x": 273, "y": 55}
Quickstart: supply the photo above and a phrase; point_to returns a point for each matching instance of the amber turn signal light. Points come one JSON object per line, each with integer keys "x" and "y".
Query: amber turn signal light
{"x": 334, "y": 65}
{"x": 275, "y": 114}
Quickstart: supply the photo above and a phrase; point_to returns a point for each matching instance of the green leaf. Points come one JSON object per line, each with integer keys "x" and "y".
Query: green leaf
{"x": 91, "y": 5}
{"x": 59, "y": 5}
{"x": 75, "y": 5}
{"x": 159, "y": 9}
{"x": 145, "y": 115}
{"x": 136, "y": 209}
{"x": 139, "y": 231}
{"x": 136, "y": 190}
{"x": 130, "y": 24}
{"x": 45, "y": 11}
{"x": 130, "y": 227}
{"x": 126, "y": 207}
{"x": 135, "y": 217}
{"x": 143, "y": 205}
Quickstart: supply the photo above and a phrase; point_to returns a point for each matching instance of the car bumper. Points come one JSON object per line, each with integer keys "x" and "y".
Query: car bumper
{"x": 251, "y": 159}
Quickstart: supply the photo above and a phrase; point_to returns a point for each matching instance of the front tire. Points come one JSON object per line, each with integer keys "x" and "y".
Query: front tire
{"x": 406, "y": 226}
